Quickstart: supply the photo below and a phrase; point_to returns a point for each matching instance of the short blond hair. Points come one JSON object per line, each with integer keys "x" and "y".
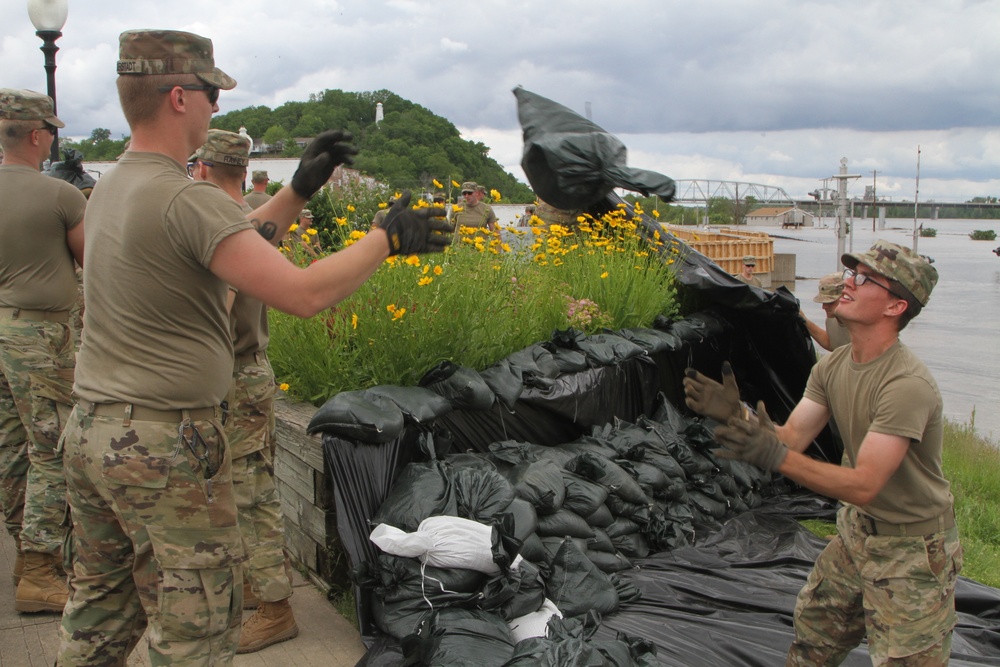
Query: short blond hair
{"x": 228, "y": 173}
{"x": 14, "y": 132}
{"x": 140, "y": 96}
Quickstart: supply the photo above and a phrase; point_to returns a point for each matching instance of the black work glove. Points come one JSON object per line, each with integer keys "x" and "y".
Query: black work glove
{"x": 321, "y": 157}
{"x": 711, "y": 399}
{"x": 415, "y": 231}
{"x": 753, "y": 441}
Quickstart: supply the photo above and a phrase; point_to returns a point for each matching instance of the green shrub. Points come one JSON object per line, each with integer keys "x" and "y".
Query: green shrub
{"x": 928, "y": 232}
{"x": 983, "y": 235}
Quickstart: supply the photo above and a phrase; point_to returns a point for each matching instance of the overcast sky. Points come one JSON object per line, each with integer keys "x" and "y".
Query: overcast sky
{"x": 764, "y": 91}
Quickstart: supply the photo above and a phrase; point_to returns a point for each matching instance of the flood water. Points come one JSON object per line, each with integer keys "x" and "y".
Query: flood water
{"x": 956, "y": 334}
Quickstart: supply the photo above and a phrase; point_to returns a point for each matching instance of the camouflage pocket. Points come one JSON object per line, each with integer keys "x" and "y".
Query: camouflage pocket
{"x": 147, "y": 472}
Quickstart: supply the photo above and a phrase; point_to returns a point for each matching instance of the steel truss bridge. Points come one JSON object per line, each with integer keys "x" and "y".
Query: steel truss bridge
{"x": 701, "y": 191}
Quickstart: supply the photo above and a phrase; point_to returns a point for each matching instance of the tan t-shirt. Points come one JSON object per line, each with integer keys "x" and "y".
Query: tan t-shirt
{"x": 257, "y": 199}
{"x": 156, "y": 329}
{"x": 838, "y": 333}
{"x": 249, "y": 320}
{"x": 36, "y": 265}
{"x": 895, "y": 395}
{"x": 480, "y": 215}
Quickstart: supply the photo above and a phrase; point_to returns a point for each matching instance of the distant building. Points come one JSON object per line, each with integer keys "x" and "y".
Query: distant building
{"x": 779, "y": 216}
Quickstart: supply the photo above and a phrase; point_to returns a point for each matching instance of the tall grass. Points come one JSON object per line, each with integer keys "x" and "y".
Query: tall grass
{"x": 487, "y": 296}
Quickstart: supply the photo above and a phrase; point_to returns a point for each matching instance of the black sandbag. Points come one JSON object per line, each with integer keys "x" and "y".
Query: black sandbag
{"x": 503, "y": 382}
{"x": 533, "y": 550}
{"x": 662, "y": 459}
{"x": 540, "y": 483}
{"x": 600, "y": 541}
{"x": 608, "y": 349}
{"x": 535, "y": 366}
{"x": 422, "y": 490}
{"x": 601, "y": 518}
{"x": 355, "y": 415}
{"x": 524, "y": 516}
{"x": 583, "y": 496}
{"x": 418, "y": 405}
{"x": 608, "y": 473}
{"x": 397, "y": 578}
{"x": 576, "y": 585}
{"x": 609, "y": 563}
{"x": 553, "y": 544}
{"x": 622, "y": 508}
{"x": 633, "y": 545}
{"x": 529, "y": 591}
{"x": 480, "y": 493}
{"x": 622, "y": 526}
{"x": 590, "y": 444}
{"x": 567, "y": 360}
{"x": 459, "y": 638}
{"x": 463, "y": 387}
{"x": 666, "y": 533}
{"x": 563, "y": 522}
{"x": 707, "y": 485}
{"x": 707, "y": 505}
{"x": 651, "y": 479}
{"x": 651, "y": 340}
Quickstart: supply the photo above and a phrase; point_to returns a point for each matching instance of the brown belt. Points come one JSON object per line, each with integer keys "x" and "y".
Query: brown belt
{"x": 130, "y": 411}
{"x": 61, "y": 316}
{"x": 872, "y": 526}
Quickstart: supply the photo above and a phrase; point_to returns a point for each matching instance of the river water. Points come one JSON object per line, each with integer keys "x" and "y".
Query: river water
{"x": 956, "y": 334}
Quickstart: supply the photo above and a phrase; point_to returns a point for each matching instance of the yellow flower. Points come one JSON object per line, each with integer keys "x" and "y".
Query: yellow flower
{"x": 426, "y": 280}
{"x": 604, "y": 275}
{"x": 342, "y": 222}
{"x": 357, "y": 235}
{"x": 283, "y": 386}
{"x": 391, "y": 308}
{"x": 656, "y": 213}
{"x": 437, "y": 183}
{"x": 293, "y": 227}
{"x": 495, "y": 194}
{"x": 438, "y": 270}
{"x": 350, "y": 208}
{"x": 506, "y": 247}
{"x": 426, "y": 269}
{"x": 354, "y": 320}
{"x": 305, "y": 238}
{"x": 382, "y": 204}
{"x": 456, "y": 184}
{"x": 311, "y": 232}
{"x": 413, "y": 260}
{"x": 398, "y": 314}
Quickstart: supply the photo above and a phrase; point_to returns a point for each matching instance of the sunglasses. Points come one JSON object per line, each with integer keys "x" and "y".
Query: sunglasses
{"x": 861, "y": 279}
{"x": 211, "y": 91}
{"x": 192, "y": 165}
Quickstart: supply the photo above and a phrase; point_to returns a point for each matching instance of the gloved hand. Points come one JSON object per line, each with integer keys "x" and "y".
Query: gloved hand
{"x": 711, "y": 399}
{"x": 753, "y": 441}
{"x": 321, "y": 157}
{"x": 416, "y": 231}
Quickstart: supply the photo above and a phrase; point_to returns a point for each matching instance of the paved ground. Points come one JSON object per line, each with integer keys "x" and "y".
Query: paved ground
{"x": 325, "y": 639}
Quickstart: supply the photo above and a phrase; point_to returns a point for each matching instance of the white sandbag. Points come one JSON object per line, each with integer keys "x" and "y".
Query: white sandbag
{"x": 535, "y": 623}
{"x": 442, "y": 541}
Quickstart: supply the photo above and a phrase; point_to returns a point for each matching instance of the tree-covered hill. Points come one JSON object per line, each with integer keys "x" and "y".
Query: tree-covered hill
{"x": 409, "y": 148}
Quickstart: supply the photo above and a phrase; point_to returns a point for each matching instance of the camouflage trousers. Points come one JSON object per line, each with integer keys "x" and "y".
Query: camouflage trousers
{"x": 898, "y": 590}
{"x": 157, "y": 542}
{"x": 37, "y": 360}
{"x": 250, "y": 428}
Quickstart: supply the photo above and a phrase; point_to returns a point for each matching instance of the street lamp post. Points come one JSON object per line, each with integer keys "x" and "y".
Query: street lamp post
{"x": 49, "y": 17}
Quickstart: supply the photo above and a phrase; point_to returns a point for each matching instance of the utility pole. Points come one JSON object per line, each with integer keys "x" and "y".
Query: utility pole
{"x": 916, "y": 199}
{"x": 842, "y": 178}
{"x": 874, "y": 200}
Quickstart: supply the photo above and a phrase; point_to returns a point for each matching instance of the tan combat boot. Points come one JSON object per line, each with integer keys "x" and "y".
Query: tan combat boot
{"x": 250, "y": 600}
{"x": 273, "y": 622}
{"x": 41, "y": 587}
{"x": 18, "y": 568}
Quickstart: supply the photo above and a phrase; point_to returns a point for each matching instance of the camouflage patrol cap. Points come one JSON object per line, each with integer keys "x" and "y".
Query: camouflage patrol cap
{"x": 224, "y": 147}
{"x": 258, "y": 176}
{"x": 170, "y": 52}
{"x": 749, "y": 260}
{"x": 27, "y": 105}
{"x": 469, "y": 186}
{"x": 831, "y": 286}
{"x": 913, "y": 272}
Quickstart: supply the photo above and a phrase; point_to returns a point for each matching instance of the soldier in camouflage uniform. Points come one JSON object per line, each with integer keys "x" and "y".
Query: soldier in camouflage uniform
{"x": 890, "y": 571}
{"x": 41, "y": 234}
{"x": 474, "y": 212}
{"x": 149, "y": 472}
{"x": 250, "y": 426}
{"x": 258, "y": 196}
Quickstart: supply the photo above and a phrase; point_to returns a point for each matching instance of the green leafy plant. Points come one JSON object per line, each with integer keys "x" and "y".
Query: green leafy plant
{"x": 487, "y": 296}
{"x": 928, "y": 232}
{"x": 983, "y": 235}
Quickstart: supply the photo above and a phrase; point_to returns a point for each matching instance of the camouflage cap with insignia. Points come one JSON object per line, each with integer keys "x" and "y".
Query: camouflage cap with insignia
{"x": 469, "y": 186}
{"x": 831, "y": 286}
{"x": 749, "y": 260}
{"x": 224, "y": 147}
{"x": 170, "y": 52}
{"x": 913, "y": 272}
{"x": 27, "y": 105}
